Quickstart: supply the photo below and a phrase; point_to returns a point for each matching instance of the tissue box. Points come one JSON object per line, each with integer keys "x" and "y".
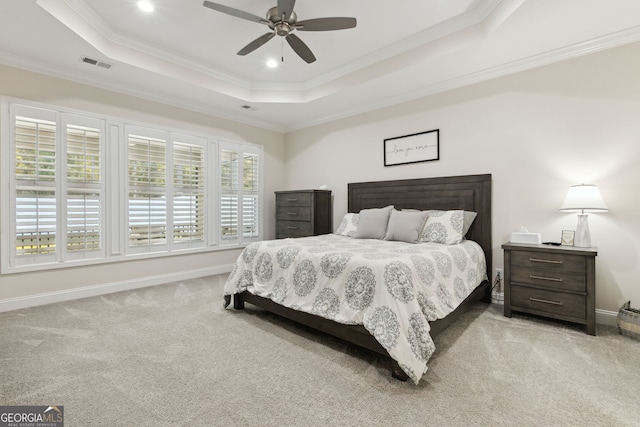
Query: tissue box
{"x": 531, "y": 238}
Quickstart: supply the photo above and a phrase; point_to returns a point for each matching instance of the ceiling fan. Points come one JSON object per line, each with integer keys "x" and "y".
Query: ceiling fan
{"x": 282, "y": 20}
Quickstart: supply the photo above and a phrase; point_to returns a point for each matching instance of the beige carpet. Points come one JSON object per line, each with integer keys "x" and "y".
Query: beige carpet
{"x": 171, "y": 356}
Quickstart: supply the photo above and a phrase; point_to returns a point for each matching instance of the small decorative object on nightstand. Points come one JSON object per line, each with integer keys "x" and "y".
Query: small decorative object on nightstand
{"x": 551, "y": 281}
{"x": 303, "y": 213}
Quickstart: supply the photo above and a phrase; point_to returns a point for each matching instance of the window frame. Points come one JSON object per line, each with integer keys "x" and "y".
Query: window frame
{"x": 114, "y": 188}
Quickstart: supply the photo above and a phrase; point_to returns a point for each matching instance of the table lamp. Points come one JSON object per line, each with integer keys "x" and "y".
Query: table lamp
{"x": 583, "y": 198}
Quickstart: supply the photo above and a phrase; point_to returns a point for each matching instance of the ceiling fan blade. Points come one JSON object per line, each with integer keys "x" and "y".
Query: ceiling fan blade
{"x": 326, "y": 24}
{"x": 286, "y": 7}
{"x": 300, "y": 48}
{"x": 256, "y": 43}
{"x": 233, "y": 12}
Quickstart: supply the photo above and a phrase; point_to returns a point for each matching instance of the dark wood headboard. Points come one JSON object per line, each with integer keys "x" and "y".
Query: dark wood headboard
{"x": 468, "y": 192}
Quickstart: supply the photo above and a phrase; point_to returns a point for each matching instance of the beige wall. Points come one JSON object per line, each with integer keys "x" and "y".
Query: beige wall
{"x": 36, "y": 87}
{"x": 536, "y": 132}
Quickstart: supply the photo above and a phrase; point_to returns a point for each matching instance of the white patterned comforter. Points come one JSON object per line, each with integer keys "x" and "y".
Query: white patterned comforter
{"x": 392, "y": 288}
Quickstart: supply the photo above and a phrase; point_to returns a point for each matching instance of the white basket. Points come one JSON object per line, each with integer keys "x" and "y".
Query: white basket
{"x": 497, "y": 297}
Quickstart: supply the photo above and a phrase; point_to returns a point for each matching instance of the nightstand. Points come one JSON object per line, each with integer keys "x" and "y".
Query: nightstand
{"x": 303, "y": 213}
{"x": 552, "y": 281}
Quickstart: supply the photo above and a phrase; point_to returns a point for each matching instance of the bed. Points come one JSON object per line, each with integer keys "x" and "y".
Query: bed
{"x": 400, "y": 321}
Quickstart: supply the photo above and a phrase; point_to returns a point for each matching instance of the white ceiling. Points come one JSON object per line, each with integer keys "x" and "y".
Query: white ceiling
{"x": 184, "y": 54}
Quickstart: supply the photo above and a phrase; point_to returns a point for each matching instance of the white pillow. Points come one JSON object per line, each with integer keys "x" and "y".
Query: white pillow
{"x": 349, "y": 225}
{"x": 406, "y": 226}
{"x": 444, "y": 227}
{"x": 373, "y": 223}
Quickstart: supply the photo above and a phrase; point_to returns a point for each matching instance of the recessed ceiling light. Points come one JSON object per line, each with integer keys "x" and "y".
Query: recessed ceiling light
{"x": 145, "y": 5}
{"x": 272, "y": 63}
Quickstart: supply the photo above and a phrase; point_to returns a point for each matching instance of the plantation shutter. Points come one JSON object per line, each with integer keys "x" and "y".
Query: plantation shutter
{"x": 188, "y": 193}
{"x": 84, "y": 189}
{"x": 229, "y": 220}
{"x": 147, "y": 191}
{"x": 35, "y": 186}
{"x": 251, "y": 195}
{"x": 240, "y": 193}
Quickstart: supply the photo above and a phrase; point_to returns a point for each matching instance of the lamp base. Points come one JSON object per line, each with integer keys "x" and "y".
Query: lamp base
{"x": 583, "y": 237}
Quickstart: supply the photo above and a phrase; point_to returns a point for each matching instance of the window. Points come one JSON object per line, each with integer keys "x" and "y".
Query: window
{"x": 189, "y": 192}
{"x": 35, "y": 190}
{"x": 240, "y": 191}
{"x": 171, "y": 191}
{"x": 57, "y": 194}
{"x": 147, "y": 191}
{"x": 84, "y": 191}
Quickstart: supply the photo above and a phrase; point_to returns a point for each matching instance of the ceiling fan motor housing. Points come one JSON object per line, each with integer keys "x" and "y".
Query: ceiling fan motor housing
{"x": 281, "y": 26}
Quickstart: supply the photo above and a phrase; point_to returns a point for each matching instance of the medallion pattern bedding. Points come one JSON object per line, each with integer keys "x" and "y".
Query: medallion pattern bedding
{"x": 392, "y": 288}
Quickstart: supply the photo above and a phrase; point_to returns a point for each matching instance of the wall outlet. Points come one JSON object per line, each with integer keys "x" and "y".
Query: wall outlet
{"x": 499, "y": 273}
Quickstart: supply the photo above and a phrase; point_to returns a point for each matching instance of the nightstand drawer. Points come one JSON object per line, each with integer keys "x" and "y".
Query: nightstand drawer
{"x": 293, "y": 199}
{"x": 293, "y": 229}
{"x": 549, "y": 261}
{"x": 556, "y": 280}
{"x": 293, "y": 213}
{"x": 550, "y": 302}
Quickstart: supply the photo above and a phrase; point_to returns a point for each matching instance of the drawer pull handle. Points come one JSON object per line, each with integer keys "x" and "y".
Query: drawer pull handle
{"x": 548, "y": 261}
{"x": 552, "y": 279}
{"x": 545, "y": 301}
{"x": 292, "y": 228}
{"x": 292, "y": 200}
{"x": 292, "y": 213}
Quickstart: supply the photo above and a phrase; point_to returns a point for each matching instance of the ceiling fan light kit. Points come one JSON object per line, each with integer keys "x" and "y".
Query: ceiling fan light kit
{"x": 282, "y": 20}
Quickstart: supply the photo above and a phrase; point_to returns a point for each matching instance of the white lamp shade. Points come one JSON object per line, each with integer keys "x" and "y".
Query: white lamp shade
{"x": 584, "y": 197}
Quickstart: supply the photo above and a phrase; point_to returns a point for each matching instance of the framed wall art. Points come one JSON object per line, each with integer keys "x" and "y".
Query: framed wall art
{"x": 414, "y": 148}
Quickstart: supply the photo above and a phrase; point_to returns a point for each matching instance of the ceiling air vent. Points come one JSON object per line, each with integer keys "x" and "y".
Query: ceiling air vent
{"x": 92, "y": 61}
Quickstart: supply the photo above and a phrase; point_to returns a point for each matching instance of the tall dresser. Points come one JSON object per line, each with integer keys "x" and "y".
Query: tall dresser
{"x": 303, "y": 213}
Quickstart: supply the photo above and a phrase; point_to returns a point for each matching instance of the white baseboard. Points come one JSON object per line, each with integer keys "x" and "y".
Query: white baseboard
{"x": 606, "y": 317}
{"x": 107, "y": 288}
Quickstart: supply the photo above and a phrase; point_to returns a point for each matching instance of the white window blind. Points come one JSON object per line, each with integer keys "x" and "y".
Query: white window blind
{"x": 188, "y": 193}
{"x": 84, "y": 189}
{"x": 35, "y": 184}
{"x": 240, "y": 193}
{"x": 147, "y": 192}
{"x": 229, "y": 220}
{"x": 251, "y": 195}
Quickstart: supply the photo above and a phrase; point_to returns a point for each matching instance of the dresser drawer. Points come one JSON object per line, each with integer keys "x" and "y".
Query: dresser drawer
{"x": 558, "y": 304}
{"x": 549, "y": 261}
{"x": 293, "y": 229}
{"x": 293, "y": 213}
{"x": 293, "y": 199}
{"x": 556, "y": 280}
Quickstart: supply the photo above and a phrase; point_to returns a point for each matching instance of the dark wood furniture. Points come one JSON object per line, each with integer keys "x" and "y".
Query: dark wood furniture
{"x": 303, "y": 213}
{"x": 471, "y": 192}
{"x": 552, "y": 281}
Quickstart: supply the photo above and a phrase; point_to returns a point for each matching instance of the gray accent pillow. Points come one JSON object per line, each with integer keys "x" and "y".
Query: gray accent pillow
{"x": 372, "y": 223}
{"x": 406, "y": 226}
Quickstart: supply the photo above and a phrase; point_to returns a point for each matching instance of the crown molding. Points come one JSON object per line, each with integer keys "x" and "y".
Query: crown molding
{"x": 82, "y": 20}
{"x": 609, "y": 41}
{"x": 599, "y": 44}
